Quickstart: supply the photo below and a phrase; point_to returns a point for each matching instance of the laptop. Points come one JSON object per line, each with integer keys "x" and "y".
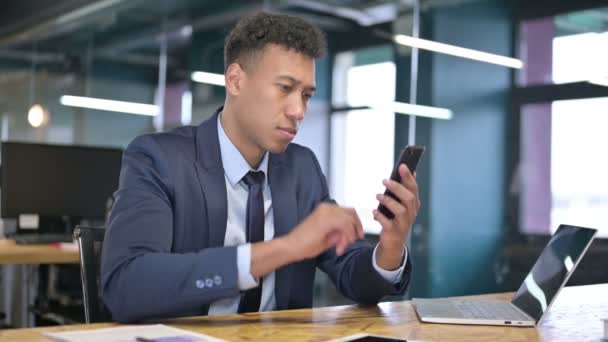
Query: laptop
{"x": 538, "y": 291}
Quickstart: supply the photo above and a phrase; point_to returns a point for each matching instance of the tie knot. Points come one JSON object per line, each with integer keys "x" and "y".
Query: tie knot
{"x": 254, "y": 178}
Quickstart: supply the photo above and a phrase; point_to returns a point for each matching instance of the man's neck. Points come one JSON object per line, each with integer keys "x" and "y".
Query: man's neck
{"x": 252, "y": 153}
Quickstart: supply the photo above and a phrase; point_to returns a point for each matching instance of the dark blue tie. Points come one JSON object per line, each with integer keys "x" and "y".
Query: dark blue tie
{"x": 250, "y": 301}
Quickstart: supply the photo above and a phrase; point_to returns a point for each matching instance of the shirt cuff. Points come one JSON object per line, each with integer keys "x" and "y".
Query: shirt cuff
{"x": 391, "y": 276}
{"x": 243, "y": 263}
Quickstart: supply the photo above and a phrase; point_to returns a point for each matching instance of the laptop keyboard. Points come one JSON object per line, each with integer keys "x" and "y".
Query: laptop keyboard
{"x": 488, "y": 310}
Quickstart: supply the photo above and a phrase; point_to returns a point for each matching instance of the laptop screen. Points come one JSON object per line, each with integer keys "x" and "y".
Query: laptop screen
{"x": 552, "y": 269}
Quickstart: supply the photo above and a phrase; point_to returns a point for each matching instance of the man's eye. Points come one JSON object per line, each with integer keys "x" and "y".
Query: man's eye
{"x": 307, "y": 96}
{"x": 285, "y": 88}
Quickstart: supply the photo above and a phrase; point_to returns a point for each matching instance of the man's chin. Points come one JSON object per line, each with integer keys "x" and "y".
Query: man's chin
{"x": 278, "y": 148}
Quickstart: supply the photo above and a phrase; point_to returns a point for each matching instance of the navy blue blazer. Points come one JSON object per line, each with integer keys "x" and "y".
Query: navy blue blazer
{"x": 165, "y": 239}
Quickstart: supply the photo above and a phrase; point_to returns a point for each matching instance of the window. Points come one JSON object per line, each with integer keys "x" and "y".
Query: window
{"x": 579, "y": 163}
{"x": 565, "y": 48}
{"x": 580, "y": 57}
{"x": 362, "y": 146}
{"x": 563, "y": 163}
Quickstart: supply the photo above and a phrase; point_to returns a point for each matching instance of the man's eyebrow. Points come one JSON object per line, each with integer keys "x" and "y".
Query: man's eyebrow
{"x": 289, "y": 78}
{"x": 296, "y": 82}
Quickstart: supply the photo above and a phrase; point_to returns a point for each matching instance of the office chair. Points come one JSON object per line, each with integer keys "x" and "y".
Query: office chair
{"x": 90, "y": 241}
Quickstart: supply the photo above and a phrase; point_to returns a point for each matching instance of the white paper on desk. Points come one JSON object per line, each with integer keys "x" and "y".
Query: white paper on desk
{"x": 156, "y": 333}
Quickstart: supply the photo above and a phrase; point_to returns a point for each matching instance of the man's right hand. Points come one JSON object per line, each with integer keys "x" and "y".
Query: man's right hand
{"x": 327, "y": 226}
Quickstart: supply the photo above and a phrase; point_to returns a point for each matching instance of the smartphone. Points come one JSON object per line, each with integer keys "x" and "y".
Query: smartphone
{"x": 410, "y": 156}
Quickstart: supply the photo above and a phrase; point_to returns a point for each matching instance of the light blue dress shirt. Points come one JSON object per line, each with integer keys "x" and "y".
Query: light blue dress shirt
{"x": 235, "y": 168}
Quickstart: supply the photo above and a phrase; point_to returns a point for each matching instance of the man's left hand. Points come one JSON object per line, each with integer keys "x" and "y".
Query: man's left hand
{"x": 395, "y": 232}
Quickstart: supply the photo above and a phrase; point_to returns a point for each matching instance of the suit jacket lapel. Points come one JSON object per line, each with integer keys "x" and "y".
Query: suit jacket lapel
{"x": 210, "y": 171}
{"x": 285, "y": 211}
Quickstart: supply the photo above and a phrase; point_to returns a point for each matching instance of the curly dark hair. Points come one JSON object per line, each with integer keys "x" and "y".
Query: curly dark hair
{"x": 252, "y": 33}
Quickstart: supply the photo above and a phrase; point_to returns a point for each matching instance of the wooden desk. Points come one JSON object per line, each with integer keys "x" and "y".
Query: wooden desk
{"x": 24, "y": 257}
{"x": 12, "y": 253}
{"x": 575, "y": 316}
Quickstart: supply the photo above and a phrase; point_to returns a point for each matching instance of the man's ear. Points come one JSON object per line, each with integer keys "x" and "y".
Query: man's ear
{"x": 234, "y": 79}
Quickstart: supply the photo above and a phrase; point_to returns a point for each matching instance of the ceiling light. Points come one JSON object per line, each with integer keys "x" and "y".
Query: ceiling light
{"x": 186, "y": 31}
{"x": 457, "y": 51}
{"x": 417, "y": 110}
{"x": 110, "y": 105}
{"x": 37, "y": 116}
{"x": 209, "y": 78}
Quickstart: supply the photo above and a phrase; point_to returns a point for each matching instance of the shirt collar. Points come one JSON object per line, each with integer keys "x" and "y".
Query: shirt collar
{"x": 235, "y": 165}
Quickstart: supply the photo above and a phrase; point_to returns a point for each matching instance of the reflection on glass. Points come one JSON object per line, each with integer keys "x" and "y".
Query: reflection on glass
{"x": 536, "y": 292}
{"x": 552, "y": 269}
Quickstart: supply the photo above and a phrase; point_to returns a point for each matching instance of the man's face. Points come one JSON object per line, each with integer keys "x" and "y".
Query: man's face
{"x": 274, "y": 96}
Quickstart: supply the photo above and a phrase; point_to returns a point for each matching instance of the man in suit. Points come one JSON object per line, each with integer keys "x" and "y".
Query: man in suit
{"x": 229, "y": 216}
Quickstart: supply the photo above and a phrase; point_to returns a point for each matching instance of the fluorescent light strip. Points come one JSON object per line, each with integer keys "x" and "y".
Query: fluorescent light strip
{"x": 209, "y": 78}
{"x": 417, "y": 110}
{"x": 458, "y": 51}
{"x": 109, "y": 105}
{"x": 186, "y": 116}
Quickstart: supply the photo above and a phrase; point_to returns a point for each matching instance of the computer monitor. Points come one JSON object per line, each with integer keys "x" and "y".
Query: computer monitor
{"x": 57, "y": 181}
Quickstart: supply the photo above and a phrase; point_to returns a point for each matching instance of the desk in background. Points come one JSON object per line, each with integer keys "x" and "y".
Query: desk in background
{"x": 22, "y": 259}
{"x": 575, "y": 316}
{"x": 12, "y": 253}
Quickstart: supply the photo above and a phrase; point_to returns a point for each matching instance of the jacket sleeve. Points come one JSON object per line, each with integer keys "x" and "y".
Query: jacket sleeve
{"x": 353, "y": 272}
{"x": 140, "y": 277}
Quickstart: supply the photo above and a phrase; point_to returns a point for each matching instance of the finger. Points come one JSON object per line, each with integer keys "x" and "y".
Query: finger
{"x": 345, "y": 236}
{"x": 407, "y": 179}
{"x": 351, "y": 235}
{"x": 404, "y": 195}
{"x": 339, "y": 250}
{"x": 398, "y": 209}
{"x": 347, "y": 226}
{"x": 383, "y": 220}
{"x": 341, "y": 246}
{"x": 358, "y": 226}
{"x": 398, "y": 189}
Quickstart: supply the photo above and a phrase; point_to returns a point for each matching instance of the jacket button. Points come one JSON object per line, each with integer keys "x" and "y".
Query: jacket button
{"x": 200, "y": 284}
{"x": 217, "y": 280}
{"x": 209, "y": 282}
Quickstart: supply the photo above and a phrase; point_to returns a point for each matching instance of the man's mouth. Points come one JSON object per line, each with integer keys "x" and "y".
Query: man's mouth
{"x": 288, "y": 132}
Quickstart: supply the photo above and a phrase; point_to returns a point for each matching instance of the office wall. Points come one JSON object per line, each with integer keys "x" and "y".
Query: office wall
{"x": 468, "y": 152}
{"x": 459, "y": 230}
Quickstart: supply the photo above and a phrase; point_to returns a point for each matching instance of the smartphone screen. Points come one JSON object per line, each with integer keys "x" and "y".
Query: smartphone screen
{"x": 410, "y": 156}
